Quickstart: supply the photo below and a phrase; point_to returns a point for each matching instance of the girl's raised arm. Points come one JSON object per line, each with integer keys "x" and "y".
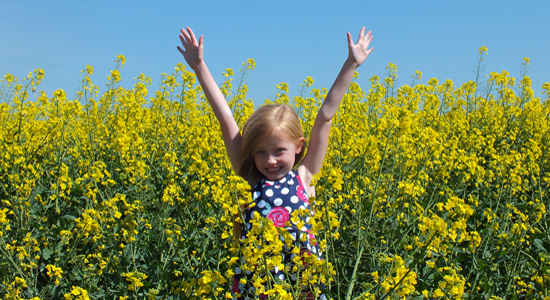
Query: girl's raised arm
{"x": 318, "y": 143}
{"x": 193, "y": 53}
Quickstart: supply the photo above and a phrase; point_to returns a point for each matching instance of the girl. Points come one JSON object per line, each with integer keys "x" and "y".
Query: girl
{"x": 269, "y": 153}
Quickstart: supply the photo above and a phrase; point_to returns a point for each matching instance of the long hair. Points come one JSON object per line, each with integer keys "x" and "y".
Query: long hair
{"x": 261, "y": 123}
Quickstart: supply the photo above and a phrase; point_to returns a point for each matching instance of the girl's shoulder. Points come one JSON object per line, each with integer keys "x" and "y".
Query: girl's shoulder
{"x": 306, "y": 177}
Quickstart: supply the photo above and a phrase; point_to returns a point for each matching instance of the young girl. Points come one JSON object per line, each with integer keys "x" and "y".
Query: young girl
{"x": 269, "y": 153}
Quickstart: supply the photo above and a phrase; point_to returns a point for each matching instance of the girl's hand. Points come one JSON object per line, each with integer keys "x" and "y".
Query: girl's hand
{"x": 192, "y": 51}
{"x": 360, "y": 51}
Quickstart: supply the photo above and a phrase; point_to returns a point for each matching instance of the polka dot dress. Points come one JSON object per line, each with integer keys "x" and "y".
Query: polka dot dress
{"x": 277, "y": 200}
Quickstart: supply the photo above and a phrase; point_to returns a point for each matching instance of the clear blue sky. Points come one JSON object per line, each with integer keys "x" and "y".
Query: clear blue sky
{"x": 288, "y": 39}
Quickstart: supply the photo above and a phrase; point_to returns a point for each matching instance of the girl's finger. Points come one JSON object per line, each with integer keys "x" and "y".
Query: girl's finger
{"x": 350, "y": 40}
{"x": 184, "y": 33}
{"x": 182, "y": 39}
{"x": 186, "y": 44}
{"x": 193, "y": 39}
{"x": 366, "y": 40}
{"x": 370, "y": 51}
{"x": 181, "y": 50}
{"x": 361, "y": 33}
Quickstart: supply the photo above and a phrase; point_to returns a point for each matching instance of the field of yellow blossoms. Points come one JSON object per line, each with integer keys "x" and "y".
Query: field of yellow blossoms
{"x": 428, "y": 191}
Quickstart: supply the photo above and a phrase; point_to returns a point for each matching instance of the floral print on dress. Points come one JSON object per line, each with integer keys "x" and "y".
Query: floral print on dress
{"x": 279, "y": 216}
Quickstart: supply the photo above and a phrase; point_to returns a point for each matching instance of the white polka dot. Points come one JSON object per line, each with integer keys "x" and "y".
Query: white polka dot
{"x": 294, "y": 199}
{"x": 283, "y": 180}
{"x": 293, "y": 234}
{"x": 237, "y": 270}
{"x": 284, "y": 191}
{"x": 278, "y": 202}
{"x": 262, "y": 204}
{"x": 291, "y": 182}
{"x": 307, "y": 219}
{"x": 256, "y": 195}
{"x": 282, "y": 276}
{"x": 252, "y": 214}
{"x": 289, "y": 209}
{"x": 269, "y": 192}
{"x": 304, "y": 229}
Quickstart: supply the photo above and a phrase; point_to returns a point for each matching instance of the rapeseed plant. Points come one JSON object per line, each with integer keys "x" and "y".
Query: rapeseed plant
{"x": 434, "y": 189}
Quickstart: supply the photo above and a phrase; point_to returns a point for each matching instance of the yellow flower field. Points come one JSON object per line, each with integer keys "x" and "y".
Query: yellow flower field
{"x": 428, "y": 191}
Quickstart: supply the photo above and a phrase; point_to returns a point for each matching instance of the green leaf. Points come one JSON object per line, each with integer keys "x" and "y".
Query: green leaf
{"x": 47, "y": 253}
{"x": 538, "y": 244}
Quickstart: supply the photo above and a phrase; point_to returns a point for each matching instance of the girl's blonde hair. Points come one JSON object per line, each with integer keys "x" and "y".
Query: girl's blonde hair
{"x": 263, "y": 122}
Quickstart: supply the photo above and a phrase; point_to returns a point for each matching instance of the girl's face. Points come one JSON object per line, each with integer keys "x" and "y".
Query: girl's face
{"x": 274, "y": 154}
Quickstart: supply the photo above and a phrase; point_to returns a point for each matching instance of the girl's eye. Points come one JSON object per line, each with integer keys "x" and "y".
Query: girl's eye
{"x": 280, "y": 150}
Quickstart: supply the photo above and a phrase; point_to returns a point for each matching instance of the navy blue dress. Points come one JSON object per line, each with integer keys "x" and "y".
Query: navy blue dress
{"x": 278, "y": 200}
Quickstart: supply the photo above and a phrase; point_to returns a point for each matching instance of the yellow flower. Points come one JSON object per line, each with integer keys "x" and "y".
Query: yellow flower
{"x": 54, "y": 272}
{"x": 121, "y": 59}
{"x": 39, "y": 75}
{"x": 418, "y": 75}
{"x": 438, "y": 293}
{"x": 430, "y": 264}
{"x": 309, "y": 81}
{"x": 89, "y": 70}
{"x": 134, "y": 279}
{"x": 9, "y": 78}
{"x": 251, "y": 64}
{"x": 77, "y": 293}
{"x": 375, "y": 276}
{"x": 115, "y": 75}
{"x": 283, "y": 86}
{"x": 483, "y": 50}
{"x": 20, "y": 282}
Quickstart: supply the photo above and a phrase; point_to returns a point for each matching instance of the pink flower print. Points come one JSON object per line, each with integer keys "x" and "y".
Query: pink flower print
{"x": 279, "y": 216}
{"x": 312, "y": 239}
{"x": 300, "y": 193}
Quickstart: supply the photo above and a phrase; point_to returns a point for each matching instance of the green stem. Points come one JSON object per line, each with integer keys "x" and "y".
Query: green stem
{"x": 15, "y": 265}
{"x": 354, "y": 274}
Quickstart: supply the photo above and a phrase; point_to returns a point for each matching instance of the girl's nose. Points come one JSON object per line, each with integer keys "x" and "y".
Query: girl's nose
{"x": 271, "y": 160}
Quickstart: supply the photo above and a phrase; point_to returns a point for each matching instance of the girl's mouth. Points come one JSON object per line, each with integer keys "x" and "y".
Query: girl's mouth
{"x": 273, "y": 170}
